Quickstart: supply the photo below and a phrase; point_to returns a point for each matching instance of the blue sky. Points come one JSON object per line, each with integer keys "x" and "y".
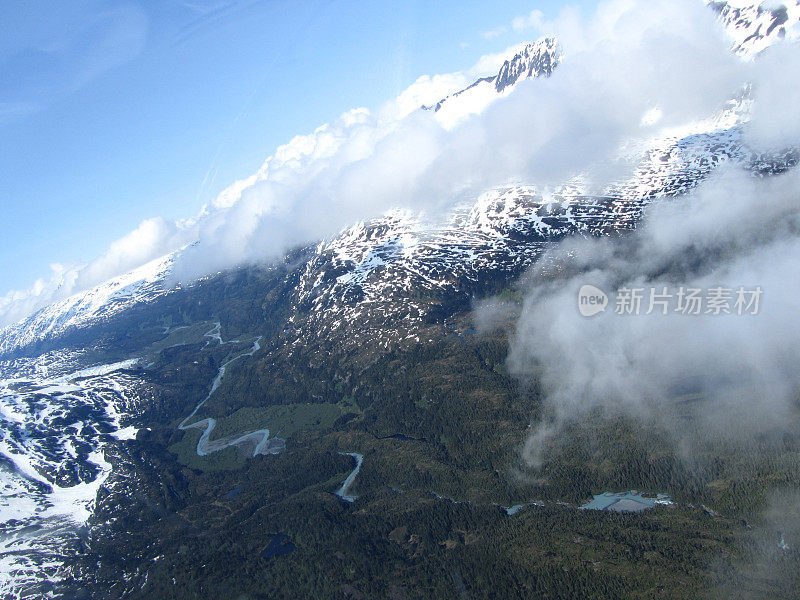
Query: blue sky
{"x": 114, "y": 112}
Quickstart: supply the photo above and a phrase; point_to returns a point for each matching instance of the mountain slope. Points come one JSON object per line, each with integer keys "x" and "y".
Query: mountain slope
{"x": 754, "y": 26}
{"x": 664, "y": 167}
{"x": 535, "y": 59}
{"x": 361, "y": 344}
{"x": 97, "y": 304}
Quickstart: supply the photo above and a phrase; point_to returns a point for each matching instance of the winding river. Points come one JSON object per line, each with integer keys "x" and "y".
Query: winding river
{"x": 344, "y": 491}
{"x": 260, "y": 438}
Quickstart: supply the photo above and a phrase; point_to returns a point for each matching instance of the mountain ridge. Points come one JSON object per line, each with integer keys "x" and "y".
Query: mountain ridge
{"x": 338, "y": 330}
{"x": 662, "y": 161}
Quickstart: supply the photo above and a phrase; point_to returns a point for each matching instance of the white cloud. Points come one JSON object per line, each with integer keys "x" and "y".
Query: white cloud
{"x": 533, "y": 20}
{"x": 17, "y": 304}
{"x": 493, "y": 33}
{"x": 489, "y": 64}
{"x": 428, "y": 90}
{"x": 736, "y": 231}
{"x": 776, "y": 121}
{"x": 153, "y": 238}
{"x": 650, "y": 54}
{"x": 627, "y": 58}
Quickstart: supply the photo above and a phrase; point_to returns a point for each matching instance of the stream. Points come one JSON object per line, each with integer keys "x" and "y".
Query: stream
{"x": 344, "y": 491}
{"x": 260, "y": 438}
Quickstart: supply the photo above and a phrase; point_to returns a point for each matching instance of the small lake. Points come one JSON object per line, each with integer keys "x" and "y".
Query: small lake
{"x": 632, "y": 501}
{"x": 279, "y": 545}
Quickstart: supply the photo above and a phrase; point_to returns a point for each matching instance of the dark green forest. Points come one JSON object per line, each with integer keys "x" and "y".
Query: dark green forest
{"x": 440, "y": 426}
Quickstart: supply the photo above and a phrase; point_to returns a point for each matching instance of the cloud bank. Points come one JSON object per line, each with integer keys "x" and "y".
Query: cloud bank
{"x": 628, "y": 58}
{"x": 639, "y": 55}
{"x": 735, "y": 231}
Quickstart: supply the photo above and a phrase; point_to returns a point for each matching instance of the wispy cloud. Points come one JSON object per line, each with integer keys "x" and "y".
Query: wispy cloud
{"x": 736, "y": 231}
{"x": 533, "y": 20}
{"x": 493, "y": 33}
{"x": 65, "y": 53}
{"x": 534, "y": 23}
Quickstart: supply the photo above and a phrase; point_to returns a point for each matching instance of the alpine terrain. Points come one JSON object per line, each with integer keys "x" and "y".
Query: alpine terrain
{"x": 343, "y": 423}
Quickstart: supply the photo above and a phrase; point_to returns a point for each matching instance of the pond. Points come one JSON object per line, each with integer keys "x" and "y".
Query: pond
{"x": 279, "y": 545}
{"x": 631, "y": 501}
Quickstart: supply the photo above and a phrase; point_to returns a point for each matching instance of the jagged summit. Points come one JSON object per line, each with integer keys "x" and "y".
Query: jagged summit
{"x": 399, "y": 253}
{"x": 535, "y": 59}
{"x": 756, "y": 25}
{"x": 87, "y": 371}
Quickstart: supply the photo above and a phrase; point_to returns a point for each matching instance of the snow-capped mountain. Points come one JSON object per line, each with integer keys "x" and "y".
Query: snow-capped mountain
{"x": 376, "y": 285}
{"x": 85, "y": 308}
{"x": 536, "y": 59}
{"x": 754, "y": 26}
{"x": 664, "y": 167}
{"x": 361, "y": 285}
{"x": 54, "y": 429}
